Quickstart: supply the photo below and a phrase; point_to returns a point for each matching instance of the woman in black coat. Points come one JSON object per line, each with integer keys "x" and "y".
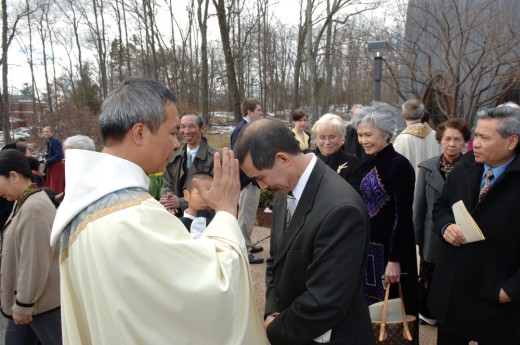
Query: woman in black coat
{"x": 329, "y": 132}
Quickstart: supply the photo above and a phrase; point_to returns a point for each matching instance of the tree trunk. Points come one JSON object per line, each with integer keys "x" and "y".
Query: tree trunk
{"x": 328, "y": 70}
{"x": 229, "y": 59}
{"x": 300, "y": 53}
{"x": 5, "y": 91}
{"x": 43, "y": 36}
{"x": 202, "y": 15}
{"x": 311, "y": 63}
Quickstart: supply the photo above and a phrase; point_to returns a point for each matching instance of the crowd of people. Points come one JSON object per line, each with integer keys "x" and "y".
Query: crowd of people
{"x": 90, "y": 257}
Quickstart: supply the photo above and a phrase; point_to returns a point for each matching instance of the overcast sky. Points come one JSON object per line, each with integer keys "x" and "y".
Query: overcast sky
{"x": 287, "y": 11}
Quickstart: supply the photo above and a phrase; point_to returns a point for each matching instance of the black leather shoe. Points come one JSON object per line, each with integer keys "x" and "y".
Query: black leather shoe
{"x": 255, "y": 261}
{"x": 256, "y": 249}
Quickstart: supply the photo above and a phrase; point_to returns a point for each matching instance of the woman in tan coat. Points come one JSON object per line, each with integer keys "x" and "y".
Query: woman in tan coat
{"x": 30, "y": 273}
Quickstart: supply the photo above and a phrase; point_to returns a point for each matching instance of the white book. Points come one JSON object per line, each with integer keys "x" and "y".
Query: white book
{"x": 466, "y": 223}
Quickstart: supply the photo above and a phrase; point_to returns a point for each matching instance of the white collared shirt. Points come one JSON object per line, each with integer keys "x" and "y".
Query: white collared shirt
{"x": 192, "y": 152}
{"x": 187, "y": 215}
{"x": 302, "y": 182}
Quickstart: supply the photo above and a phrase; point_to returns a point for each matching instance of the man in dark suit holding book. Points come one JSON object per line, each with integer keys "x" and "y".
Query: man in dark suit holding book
{"x": 475, "y": 293}
{"x": 318, "y": 250}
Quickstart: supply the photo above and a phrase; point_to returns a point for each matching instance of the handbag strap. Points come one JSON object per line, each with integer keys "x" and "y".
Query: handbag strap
{"x": 382, "y": 331}
{"x": 406, "y": 331}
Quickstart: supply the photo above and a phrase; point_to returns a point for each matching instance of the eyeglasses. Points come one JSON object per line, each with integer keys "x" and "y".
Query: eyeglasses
{"x": 328, "y": 137}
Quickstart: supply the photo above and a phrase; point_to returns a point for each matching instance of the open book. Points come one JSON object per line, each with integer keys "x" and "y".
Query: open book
{"x": 466, "y": 223}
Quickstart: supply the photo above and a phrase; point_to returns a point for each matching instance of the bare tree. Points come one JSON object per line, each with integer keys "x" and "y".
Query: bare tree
{"x": 8, "y": 32}
{"x": 459, "y": 56}
{"x": 45, "y": 33}
{"x": 313, "y": 37}
{"x": 234, "y": 94}
{"x": 202, "y": 17}
{"x": 74, "y": 16}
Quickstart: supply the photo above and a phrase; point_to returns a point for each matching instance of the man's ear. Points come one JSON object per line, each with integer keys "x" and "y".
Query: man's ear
{"x": 513, "y": 142}
{"x": 186, "y": 194}
{"x": 283, "y": 157}
{"x": 137, "y": 133}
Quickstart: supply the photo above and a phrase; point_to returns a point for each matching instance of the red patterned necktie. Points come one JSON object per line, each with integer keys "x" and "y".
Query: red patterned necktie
{"x": 487, "y": 184}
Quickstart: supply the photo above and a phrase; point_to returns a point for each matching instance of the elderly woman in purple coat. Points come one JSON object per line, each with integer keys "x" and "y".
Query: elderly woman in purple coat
{"x": 387, "y": 188}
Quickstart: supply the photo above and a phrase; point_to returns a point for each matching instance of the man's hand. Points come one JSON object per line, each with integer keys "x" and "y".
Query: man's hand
{"x": 170, "y": 202}
{"x": 503, "y": 297}
{"x": 453, "y": 235}
{"x": 393, "y": 272}
{"x": 268, "y": 320}
{"x": 225, "y": 188}
{"x": 22, "y": 319}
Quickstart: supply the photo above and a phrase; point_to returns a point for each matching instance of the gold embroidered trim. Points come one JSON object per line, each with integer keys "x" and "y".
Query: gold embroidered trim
{"x": 418, "y": 130}
{"x": 98, "y": 214}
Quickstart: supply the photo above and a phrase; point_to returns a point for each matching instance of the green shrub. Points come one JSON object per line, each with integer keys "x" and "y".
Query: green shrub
{"x": 156, "y": 182}
{"x": 266, "y": 199}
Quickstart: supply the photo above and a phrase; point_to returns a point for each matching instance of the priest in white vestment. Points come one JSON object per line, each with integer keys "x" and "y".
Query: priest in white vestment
{"x": 130, "y": 272}
{"x": 417, "y": 141}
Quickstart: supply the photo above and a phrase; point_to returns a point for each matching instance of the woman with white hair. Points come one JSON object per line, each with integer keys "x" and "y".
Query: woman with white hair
{"x": 329, "y": 132}
{"x": 76, "y": 142}
{"x": 80, "y": 142}
{"x": 387, "y": 188}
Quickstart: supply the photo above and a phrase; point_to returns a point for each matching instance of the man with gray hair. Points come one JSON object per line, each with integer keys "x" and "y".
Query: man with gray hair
{"x": 130, "y": 272}
{"x": 417, "y": 142}
{"x": 475, "y": 292}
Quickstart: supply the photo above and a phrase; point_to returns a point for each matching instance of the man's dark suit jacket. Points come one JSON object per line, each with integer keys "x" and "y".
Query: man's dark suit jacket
{"x": 244, "y": 179}
{"x": 464, "y": 295}
{"x": 316, "y": 271}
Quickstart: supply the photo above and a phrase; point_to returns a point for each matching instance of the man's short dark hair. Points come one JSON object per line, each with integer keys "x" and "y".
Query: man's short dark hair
{"x": 263, "y": 139}
{"x": 200, "y": 121}
{"x": 249, "y": 104}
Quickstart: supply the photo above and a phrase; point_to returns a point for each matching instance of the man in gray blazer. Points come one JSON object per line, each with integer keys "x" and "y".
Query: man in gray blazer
{"x": 316, "y": 271}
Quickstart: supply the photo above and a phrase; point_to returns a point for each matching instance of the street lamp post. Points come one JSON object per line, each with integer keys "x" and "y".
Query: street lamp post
{"x": 377, "y": 47}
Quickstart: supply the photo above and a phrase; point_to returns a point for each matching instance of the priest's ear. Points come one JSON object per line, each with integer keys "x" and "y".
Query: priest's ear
{"x": 137, "y": 133}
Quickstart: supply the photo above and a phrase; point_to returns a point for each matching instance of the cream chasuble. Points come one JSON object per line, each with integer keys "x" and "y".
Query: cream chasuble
{"x": 132, "y": 274}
